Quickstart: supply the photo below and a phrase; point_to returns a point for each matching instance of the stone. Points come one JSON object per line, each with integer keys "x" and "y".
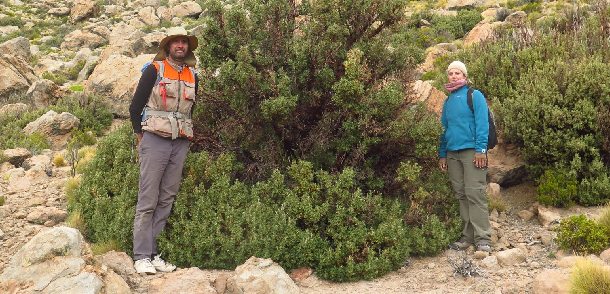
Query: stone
{"x": 84, "y": 9}
{"x": 19, "y": 47}
{"x": 191, "y": 280}
{"x": 546, "y": 215}
{"x": 511, "y": 256}
{"x": 525, "y": 215}
{"x": 551, "y": 281}
{"x": 16, "y": 156}
{"x": 258, "y": 275}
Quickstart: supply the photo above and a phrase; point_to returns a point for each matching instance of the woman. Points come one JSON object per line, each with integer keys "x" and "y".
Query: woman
{"x": 463, "y": 154}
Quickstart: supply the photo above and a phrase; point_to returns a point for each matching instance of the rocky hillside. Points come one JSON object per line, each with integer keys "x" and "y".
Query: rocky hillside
{"x": 50, "y": 49}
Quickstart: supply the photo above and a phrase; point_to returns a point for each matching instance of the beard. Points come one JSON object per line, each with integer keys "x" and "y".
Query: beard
{"x": 179, "y": 57}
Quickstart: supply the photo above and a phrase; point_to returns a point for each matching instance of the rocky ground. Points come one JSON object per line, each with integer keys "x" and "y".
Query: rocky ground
{"x": 35, "y": 201}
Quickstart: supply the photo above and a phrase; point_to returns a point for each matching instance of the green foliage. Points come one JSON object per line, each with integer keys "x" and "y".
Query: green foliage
{"x": 77, "y": 88}
{"x": 549, "y": 97}
{"x": 582, "y": 235}
{"x": 556, "y": 188}
{"x": 10, "y": 21}
{"x": 456, "y": 26}
{"x": 313, "y": 153}
{"x": 589, "y": 277}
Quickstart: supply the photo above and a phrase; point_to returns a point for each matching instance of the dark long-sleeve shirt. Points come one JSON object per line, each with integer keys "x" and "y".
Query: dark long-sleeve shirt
{"x": 140, "y": 97}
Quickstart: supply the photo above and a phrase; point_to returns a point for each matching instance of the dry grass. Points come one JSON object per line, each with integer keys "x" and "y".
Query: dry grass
{"x": 77, "y": 221}
{"x": 589, "y": 277}
{"x": 106, "y": 246}
{"x": 496, "y": 203}
{"x": 604, "y": 216}
{"x": 70, "y": 188}
{"x": 59, "y": 160}
{"x": 85, "y": 156}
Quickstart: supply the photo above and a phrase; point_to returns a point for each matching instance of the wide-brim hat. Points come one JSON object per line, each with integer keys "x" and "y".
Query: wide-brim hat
{"x": 190, "y": 59}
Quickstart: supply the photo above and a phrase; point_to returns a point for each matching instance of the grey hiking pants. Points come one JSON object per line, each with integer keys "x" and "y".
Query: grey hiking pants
{"x": 469, "y": 183}
{"x": 161, "y": 162}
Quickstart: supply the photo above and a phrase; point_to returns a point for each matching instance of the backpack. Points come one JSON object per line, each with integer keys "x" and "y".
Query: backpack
{"x": 492, "y": 140}
{"x": 159, "y": 72}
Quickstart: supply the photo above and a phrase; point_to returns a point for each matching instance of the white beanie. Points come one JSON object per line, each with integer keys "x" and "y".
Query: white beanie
{"x": 458, "y": 65}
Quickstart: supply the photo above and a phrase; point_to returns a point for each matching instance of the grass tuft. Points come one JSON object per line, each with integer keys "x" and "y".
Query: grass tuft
{"x": 589, "y": 277}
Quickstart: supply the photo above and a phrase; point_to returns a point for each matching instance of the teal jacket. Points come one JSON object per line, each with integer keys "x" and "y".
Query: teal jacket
{"x": 463, "y": 128}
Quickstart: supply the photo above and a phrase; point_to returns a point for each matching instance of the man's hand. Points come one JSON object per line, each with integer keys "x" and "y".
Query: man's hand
{"x": 480, "y": 160}
{"x": 139, "y": 135}
{"x": 442, "y": 163}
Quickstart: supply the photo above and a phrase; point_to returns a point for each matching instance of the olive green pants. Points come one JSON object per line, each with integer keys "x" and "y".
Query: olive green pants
{"x": 469, "y": 183}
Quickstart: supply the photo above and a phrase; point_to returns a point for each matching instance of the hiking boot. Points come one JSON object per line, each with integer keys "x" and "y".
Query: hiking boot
{"x": 483, "y": 247}
{"x": 144, "y": 266}
{"x": 461, "y": 244}
{"x": 161, "y": 265}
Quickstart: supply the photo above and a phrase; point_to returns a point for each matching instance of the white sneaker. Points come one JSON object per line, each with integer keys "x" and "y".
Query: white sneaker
{"x": 144, "y": 266}
{"x": 161, "y": 265}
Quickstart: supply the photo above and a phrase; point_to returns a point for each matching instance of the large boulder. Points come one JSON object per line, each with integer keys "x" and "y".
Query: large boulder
{"x": 78, "y": 39}
{"x": 83, "y": 10}
{"x": 116, "y": 78}
{"x": 16, "y": 75}
{"x": 43, "y": 93}
{"x": 55, "y": 261}
{"x": 259, "y": 275}
{"x": 54, "y": 127}
{"x": 187, "y": 9}
{"x": 19, "y": 46}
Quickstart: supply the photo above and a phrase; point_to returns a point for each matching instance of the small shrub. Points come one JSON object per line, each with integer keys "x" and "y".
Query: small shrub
{"x": 59, "y": 160}
{"x": 428, "y": 76}
{"x": 105, "y": 246}
{"x": 589, "y": 277}
{"x": 1, "y": 200}
{"x": 556, "y": 189}
{"x": 582, "y": 235}
{"x": 496, "y": 203}
{"x": 502, "y": 13}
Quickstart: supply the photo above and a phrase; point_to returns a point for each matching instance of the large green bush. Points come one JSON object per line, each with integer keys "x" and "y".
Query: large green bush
{"x": 308, "y": 150}
{"x": 549, "y": 92}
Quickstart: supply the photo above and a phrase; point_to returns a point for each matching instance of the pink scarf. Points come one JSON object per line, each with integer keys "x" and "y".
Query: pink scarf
{"x": 455, "y": 85}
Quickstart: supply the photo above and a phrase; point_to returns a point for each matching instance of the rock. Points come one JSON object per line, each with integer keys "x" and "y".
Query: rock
{"x": 516, "y": 18}
{"x": 481, "y": 32}
{"x": 551, "y": 281}
{"x": 116, "y": 78}
{"x": 569, "y": 261}
{"x": 44, "y": 93}
{"x": 505, "y": 166}
{"x": 191, "y": 280}
{"x": 525, "y": 215}
{"x": 490, "y": 262}
{"x": 84, "y": 9}
{"x": 16, "y": 156}
{"x": 59, "y": 11}
{"x": 301, "y": 274}
{"x": 220, "y": 283}
{"x": 493, "y": 190}
{"x": 260, "y": 275}
{"x": 78, "y": 39}
{"x": 187, "y": 9}
{"x": 546, "y": 216}
{"x": 16, "y": 75}
{"x": 510, "y": 257}
{"x": 605, "y": 256}
{"x": 119, "y": 262}
{"x": 462, "y": 4}
{"x": 41, "y": 215}
{"x": 148, "y": 16}
{"x": 13, "y": 109}
{"x": 19, "y": 47}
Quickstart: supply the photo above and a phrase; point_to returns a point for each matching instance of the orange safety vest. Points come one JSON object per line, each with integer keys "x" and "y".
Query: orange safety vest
{"x": 168, "y": 110}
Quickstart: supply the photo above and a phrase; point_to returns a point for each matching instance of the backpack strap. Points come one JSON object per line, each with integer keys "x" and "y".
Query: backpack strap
{"x": 160, "y": 71}
{"x": 469, "y": 99}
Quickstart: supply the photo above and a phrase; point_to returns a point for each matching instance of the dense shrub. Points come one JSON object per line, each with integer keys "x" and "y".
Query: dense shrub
{"x": 308, "y": 150}
{"x": 582, "y": 235}
{"x": 548, "y": 93}
{"x": 556, "y": 188}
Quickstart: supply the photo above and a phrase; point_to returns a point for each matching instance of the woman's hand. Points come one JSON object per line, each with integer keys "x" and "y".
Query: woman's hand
{"x": 480, "y": 160}
{"x": 442, "y": 163}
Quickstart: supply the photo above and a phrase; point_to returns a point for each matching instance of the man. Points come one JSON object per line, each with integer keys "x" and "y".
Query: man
{"x": 160, "y": 113}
